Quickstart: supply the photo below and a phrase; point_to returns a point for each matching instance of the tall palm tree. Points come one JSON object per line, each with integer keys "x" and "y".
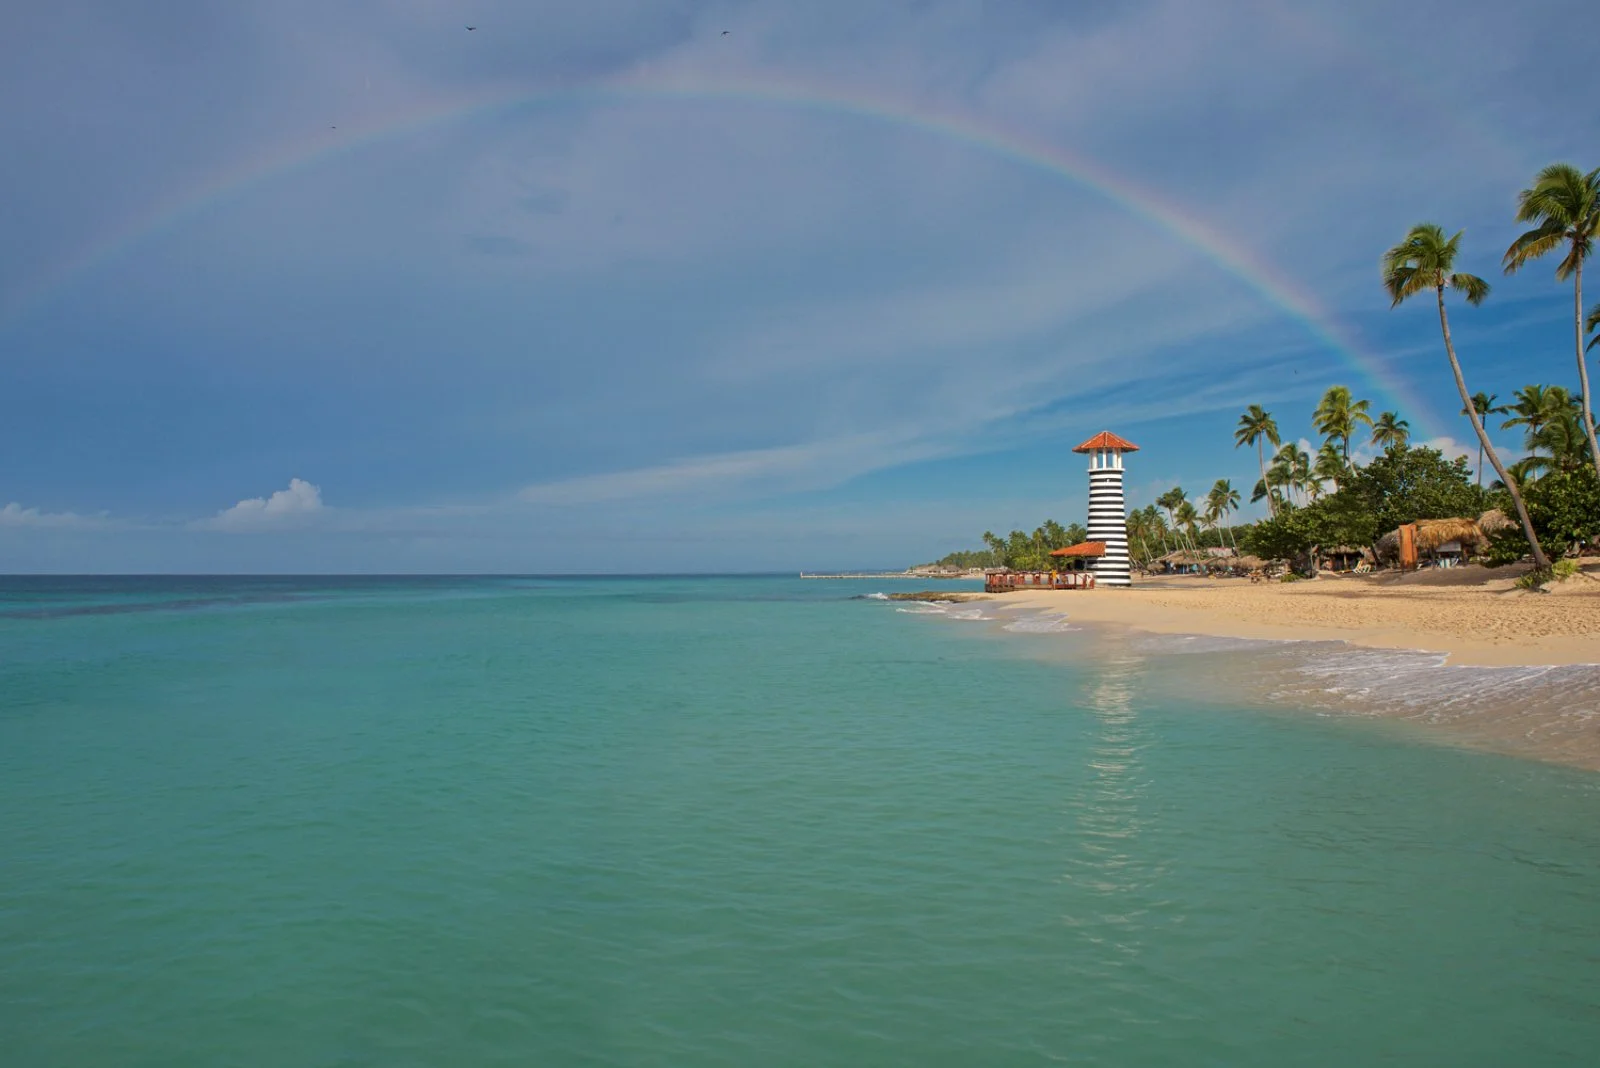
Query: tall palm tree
{"x": 1255, "y": 426}
{"x": 1211, "y": 519}
{"x": 1187, "y": 518}
{"x": 1426, "y": 260}
{"x": 1291, "y": 469}
{"x": 1173, "y": 501}
{"x": 1391, "y": 431}
{"x": 1484, "y": 404}
{"x": 1564, "y": 203}
{"x": 1338, "y": 414}
{"x": 1154, "y": 521}
{"x": 1222, "y": 500}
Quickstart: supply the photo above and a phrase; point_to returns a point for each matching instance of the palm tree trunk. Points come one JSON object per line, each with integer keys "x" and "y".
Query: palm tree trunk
{"x": 1583, "y": 370}
{"x": 1540, "y": 561}
{"x": 1480, "y": 465}
{"x": 1261, "y": 458}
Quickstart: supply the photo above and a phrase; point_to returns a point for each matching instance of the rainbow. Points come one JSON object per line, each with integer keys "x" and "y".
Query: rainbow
{"x": 1267, "y": 281}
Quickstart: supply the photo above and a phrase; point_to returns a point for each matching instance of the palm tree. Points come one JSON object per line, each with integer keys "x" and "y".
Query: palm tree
{"x": 1255, "y": 426}
{"x": 1336, "y": 417}
{"x": 1391, "y": 431}
{"x": 1222, "y": 500}
{"x": 1561, "y": 437}
{"x": 1186, "y": 517}
{"x": 1425, "y": 260}
{"x": 1155, "y": 524}
{"x": 1329, "y": 466}
{"x": 1483, "y": 404}
{"x": 1291, "y": 469}
{"x": 1536, "y": 406}
{"x": 1591, "y": 323}
{"x": 1172, "y": 501}
{"x": 1211, "y": 518}
{"x": 1143, "y": 523}
{"x": 1565, "y": 204}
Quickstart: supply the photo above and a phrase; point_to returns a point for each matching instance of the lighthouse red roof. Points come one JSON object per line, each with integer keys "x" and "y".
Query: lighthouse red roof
{"x": 1107, "y": 440}
{"x": 1083, "y": 548}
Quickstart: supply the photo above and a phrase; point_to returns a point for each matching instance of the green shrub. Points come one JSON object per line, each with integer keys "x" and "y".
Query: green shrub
{"x": 1559, "y": 571}
{"x": 1533, "y": 580}
{"x": 1505, "y": 547}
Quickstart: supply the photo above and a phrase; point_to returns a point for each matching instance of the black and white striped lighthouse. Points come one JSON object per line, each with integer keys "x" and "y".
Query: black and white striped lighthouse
{"x": 1108, "y": 513}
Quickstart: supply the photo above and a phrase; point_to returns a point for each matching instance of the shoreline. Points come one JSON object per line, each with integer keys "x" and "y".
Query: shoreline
{"x": 1470, "y": 615}
{"x": 1421, "y": 653}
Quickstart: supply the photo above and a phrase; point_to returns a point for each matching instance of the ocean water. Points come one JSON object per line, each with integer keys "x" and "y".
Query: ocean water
{"x": 744, "y": 821}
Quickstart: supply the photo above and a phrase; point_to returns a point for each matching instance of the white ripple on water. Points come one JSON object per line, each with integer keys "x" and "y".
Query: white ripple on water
{"x": 1043, "y": 623}
{"x": 944, "y": 610}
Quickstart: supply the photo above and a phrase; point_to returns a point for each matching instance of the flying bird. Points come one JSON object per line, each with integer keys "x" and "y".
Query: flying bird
{"x": 724, "y": 33}
{"x": 471, "y": 28}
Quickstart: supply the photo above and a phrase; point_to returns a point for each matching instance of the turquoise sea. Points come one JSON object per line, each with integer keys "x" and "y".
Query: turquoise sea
{"x": 744, "y": 821}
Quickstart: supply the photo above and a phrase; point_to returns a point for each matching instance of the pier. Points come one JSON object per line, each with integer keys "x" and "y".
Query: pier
{"x": 1006, "y": 581}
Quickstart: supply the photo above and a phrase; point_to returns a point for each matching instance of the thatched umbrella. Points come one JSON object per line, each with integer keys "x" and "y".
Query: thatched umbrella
{"x": 1388, "y": 546}
{"x": 1432, "y": 533}
{"x": 1493, "y": 521}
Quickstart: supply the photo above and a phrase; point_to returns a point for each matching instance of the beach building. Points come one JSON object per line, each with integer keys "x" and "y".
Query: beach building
{"x": 1108, "y": 511}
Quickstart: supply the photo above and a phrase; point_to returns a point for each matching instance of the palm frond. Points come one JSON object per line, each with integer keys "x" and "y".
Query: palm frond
{"x": 1405, "y": 282}
{"x": 1556, "y": 192}
{"x": 1532, "y": 245}
{"x": 1475, "y": 289}
{"x": 1569, "y": 264}
{"x": 1419, "y": 262}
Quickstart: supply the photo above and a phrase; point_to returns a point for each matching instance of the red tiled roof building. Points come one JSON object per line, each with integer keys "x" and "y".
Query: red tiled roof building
{"x": 1108, "y": 511}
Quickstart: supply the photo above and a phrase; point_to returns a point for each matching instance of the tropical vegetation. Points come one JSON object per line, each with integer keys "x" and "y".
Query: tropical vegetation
{"x": 1365, "y": 477}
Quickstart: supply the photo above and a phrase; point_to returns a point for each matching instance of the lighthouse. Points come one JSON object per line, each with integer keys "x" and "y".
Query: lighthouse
{"x": 1108, "y": 513}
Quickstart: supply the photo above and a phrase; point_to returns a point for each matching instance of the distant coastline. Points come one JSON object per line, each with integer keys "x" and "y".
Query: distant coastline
{"x": 909, "y": 573}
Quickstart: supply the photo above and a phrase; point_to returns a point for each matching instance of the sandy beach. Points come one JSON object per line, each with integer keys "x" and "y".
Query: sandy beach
{"x": 1474, "y": 615}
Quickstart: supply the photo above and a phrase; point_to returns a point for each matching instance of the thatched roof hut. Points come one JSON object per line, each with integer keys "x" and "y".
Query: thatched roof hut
{"x": 1432, "y": 533}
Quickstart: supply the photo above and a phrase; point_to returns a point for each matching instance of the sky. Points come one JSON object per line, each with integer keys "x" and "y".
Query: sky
{"x": 675, "y": 286}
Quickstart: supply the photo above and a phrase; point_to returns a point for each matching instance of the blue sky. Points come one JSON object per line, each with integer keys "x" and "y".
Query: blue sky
{"x": 311, "y": 287}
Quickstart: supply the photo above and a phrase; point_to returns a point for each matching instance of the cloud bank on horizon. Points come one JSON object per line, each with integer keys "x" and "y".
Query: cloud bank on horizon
{"x": 843, "y": 286}
{"x": 298, "y": 502}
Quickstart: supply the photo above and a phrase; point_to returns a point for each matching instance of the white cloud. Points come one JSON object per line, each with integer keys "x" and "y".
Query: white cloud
{"x": 14, "y": 515}
{"x": 1450, "y": 447}
{"x": 285, "y": 507}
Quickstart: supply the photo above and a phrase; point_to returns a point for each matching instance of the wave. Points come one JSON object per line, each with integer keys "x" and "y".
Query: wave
{"x": 951, "y": 610}
{"x": 1046, "y": 623}
{"x": 925, "y": 608}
